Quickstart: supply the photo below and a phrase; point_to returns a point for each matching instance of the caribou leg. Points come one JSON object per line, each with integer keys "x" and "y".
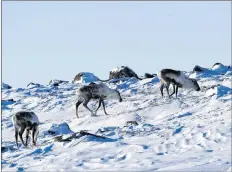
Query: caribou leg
{"x": 176, "y": 90}
{"x": 173, "y": 89}
{"x": 162, "y": 88}
{"x": 167, "y": 88}
{"x": 104, "y": 107}
{"x": 21, "y": 135}
{"x": 85, "y": 105}
{"x": 27, "y": 136}
{"x": 99, "y": 105}
{"x": 16, "y": 137}
{"x": 77, "y": 104}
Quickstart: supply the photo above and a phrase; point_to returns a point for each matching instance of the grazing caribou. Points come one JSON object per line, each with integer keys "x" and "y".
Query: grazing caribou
{"x": 96, "y": 91}
{"x": 25, "y": 121}
{"x": 178, "y": 79}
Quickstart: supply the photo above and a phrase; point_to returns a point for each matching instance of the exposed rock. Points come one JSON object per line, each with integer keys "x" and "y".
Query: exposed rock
{"x": 9, "y": 100}
{"x": 122, "y": 72}
{"x": 32, "y": 84}
{"x": 6, "y": 86}
{"x": 4, "y": 149}
{"x": 77, "y": 135}
{"x": 131, "y": 123}
{"x": 56, "y": 82}
{"x": 148, "y": 75}
{"x": 198, "y": 69}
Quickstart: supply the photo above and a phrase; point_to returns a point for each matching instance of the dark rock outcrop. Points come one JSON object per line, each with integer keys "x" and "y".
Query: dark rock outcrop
{"x": 198, "y": 69}
{"x": 122, "y": 72}
{"x": 6, "y": 86}
{"x": 32, "y": 84}
{"x": 56, "y": 82}
{"x": 9, "y": 100}
{"x": 148, "y": 75}
{"x": 78, "y": 76}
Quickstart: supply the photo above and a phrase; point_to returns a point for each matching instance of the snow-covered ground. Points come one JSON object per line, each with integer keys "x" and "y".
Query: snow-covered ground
{"x": 188, "y": 133}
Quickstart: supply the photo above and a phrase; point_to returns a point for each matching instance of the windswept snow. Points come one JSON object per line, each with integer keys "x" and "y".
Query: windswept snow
{"x": 188, "y": 133}
{"x": 117, "y": 69}
{"x": 87, "y": 77}
{"x": 220, "y": 68}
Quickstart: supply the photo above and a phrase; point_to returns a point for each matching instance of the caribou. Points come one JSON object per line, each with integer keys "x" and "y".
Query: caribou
{"x": 25, "y": 121}
{"x": 178, "y": 79}
{"x": 97, "y": 91}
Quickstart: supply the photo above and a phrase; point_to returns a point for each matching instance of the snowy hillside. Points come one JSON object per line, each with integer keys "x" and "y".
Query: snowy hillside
{"x": 188, "y": 133}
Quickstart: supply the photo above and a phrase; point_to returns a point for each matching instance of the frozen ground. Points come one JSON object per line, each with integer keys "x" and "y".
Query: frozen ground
{"x": 188, "y": 133}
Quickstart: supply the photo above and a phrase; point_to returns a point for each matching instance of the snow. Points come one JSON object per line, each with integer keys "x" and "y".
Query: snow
{"x": 220, "y": 68}
{"x": 56, "y": 81}
{"x": 188, "y": 133}
{"x": 117, "y": 69}
{"x": 215, "y": 72}
{"x": 87, "y": 77}
{"x": 58, "y": 129}
{"x": 228, "y": 73}
{"x": 33, "y": 85}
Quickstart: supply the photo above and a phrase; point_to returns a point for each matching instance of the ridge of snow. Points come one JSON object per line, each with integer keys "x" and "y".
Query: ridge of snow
{"x": 87, "y": 77}
{"x": 188, "y": 133}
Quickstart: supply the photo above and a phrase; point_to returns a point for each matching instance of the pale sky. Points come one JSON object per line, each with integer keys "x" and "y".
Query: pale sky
{"x": 56, "y": 40}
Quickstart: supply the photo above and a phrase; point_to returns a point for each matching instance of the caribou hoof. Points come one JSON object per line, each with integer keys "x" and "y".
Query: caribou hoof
{"x": 94, "y": 114}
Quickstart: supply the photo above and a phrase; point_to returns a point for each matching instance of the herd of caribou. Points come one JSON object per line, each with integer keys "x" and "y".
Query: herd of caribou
{"x": 29, "y": 121}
